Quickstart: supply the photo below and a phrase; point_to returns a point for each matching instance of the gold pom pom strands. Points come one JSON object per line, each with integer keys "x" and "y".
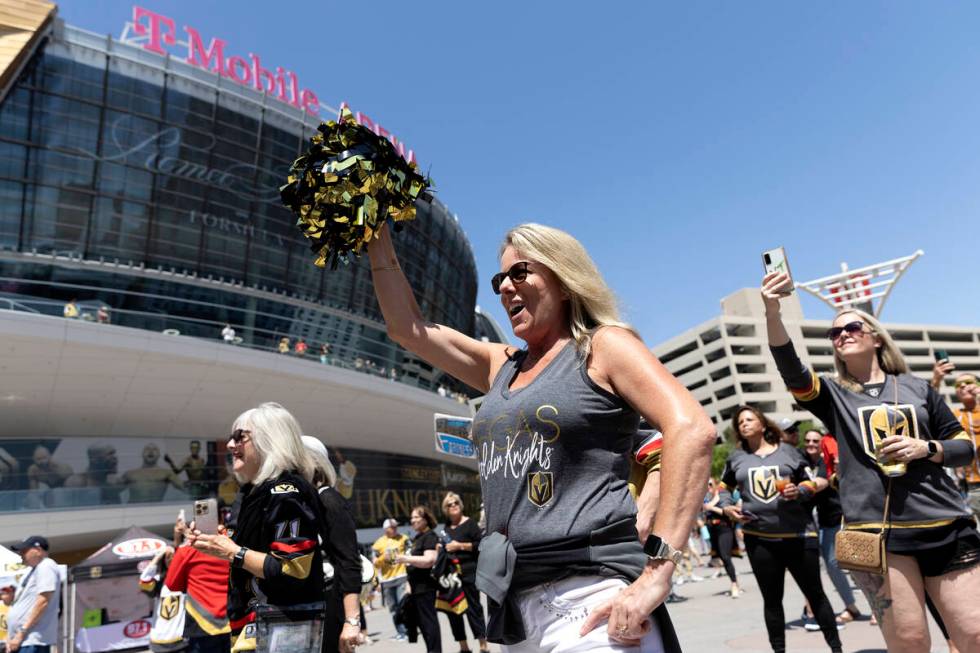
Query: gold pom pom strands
{"x": 344, "y": 187}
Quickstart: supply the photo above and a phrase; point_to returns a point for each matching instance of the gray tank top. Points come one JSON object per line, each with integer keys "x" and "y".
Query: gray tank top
{"x": 554, "y": 454}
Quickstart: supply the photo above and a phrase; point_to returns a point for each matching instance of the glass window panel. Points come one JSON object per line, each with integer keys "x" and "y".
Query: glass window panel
{"x": 175, "y": 238}
{"x": 12, "y": 160}
{"x": 119, "y": 229}
{"x": 11, "y": 207}
{"x": 14, "y": 114}
{"x": 60, "y": 219}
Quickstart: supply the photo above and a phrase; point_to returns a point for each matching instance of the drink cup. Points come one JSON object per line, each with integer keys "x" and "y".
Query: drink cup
{"x": 781, "y": 484}
{"x": 891, "y": 469}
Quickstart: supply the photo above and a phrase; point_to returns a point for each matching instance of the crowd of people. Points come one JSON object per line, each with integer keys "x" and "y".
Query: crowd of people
{"x": 587, "y": 518}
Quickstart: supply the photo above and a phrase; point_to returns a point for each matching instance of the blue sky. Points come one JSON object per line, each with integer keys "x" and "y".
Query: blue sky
{"x": 676, "y": 141}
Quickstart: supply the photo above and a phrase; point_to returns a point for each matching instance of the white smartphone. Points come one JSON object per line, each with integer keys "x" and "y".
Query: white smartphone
{"x": 206, "y": 515}
{"x": 774, "y": 260}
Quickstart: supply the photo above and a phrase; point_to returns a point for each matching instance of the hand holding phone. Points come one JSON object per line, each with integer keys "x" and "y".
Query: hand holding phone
{"x": 941, "y": 355}
{"x": 774, "y": 261}
{"x": 206, "y": 515}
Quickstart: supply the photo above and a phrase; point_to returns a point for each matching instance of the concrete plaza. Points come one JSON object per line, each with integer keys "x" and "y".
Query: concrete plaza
{"x": 707, "y": 622}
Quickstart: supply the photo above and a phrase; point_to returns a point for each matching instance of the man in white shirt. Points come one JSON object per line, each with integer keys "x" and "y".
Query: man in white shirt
{"x": 228, "y": 333}
{"x": 32, "y": 623}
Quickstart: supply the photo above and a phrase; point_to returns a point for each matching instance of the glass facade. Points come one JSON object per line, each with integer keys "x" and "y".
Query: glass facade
{"x": 42, "y": 473}
{"x": 128, "y": 162}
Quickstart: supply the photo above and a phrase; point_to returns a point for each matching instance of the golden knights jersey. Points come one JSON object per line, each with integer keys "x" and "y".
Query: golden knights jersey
{"x": 759, "y": 479}
{"x": 168, "y": 625}
{"x": 924, "y": 497}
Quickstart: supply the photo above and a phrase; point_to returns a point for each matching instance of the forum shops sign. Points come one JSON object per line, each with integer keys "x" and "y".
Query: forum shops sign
{"x": 158, "y": 34}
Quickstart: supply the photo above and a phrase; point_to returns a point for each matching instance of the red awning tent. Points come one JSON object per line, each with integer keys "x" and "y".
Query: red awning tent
{"x": 108, "y": 611}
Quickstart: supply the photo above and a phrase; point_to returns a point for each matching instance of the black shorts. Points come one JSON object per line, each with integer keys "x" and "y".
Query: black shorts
{"x": 961, "y": 553}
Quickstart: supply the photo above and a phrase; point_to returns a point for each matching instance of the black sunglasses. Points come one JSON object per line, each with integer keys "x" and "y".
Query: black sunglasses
{"x": 851, "y": 327}
{"x": 238, "y": 436}
{"x": 517, "y": 273}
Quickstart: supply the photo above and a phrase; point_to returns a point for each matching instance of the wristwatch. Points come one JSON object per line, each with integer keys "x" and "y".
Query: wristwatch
{"x": 931, "y": 446}
{"x": 353, "y": 621}
{"x": 239, "y": 560}
{"x": 658, "y": 549}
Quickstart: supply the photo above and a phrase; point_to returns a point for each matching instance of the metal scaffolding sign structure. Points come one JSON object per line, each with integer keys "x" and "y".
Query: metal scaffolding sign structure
{"x": 865, "y": 288}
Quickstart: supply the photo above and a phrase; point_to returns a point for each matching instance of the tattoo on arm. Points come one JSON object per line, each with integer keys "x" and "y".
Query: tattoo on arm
{"x": 874, "y": 590}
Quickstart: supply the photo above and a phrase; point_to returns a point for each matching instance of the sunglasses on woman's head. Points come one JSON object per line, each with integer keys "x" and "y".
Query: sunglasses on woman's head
{"x": 238, "y": 436}
{"x": 852, "y": 328}
{"x": 517, "y": 273}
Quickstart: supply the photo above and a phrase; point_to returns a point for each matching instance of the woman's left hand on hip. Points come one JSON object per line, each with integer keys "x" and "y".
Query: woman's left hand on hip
{"x": 628, "y": 613}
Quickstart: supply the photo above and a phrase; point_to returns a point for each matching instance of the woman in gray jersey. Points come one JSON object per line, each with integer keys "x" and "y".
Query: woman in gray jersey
{"x": 561, "y": 557}
{"x": 779, "y": 533}
{"x": 888, "y": 421}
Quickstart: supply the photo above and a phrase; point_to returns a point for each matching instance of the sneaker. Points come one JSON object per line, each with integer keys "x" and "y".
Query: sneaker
{"x": 715, "y": 575}
{"x": 695, "y": 578}
{"x": 810, "y": 624}
{"x": 680, "y": 581}
{"x": 674, "y": 598}
{"x": 401, "y": 638}
{"x": 736, "y": 593}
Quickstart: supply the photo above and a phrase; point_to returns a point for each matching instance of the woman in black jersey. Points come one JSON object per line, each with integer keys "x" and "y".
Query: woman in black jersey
{"x": 721, "y": 533}
{"x": 829, "y": 515}
{"x": 895, "y": 434}
{"x": 464, "y": 543}
{"x": 338, "y": 543}
{"x": 420, "y": 580}
{"x": 779, "y": 535}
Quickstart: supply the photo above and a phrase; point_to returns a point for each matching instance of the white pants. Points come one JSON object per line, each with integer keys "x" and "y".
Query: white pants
{"x": 554, "y": 614}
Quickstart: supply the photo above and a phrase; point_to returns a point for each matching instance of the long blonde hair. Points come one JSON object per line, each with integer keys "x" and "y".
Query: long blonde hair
{"x": 591, "y": 303}
{"x": 890, "y": 358}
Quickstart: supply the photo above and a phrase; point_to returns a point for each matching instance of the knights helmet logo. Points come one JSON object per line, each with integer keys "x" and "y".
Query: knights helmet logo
{"x": 762, "y": 483}
{"x": 540, "y": 488}
{"x": 880, "y": 422}
{"x": 169, "y": 606}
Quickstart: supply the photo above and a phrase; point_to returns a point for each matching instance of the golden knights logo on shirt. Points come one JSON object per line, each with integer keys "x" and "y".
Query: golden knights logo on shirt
{"x": 880, "y": 422}
{"x": 540, "y": 488}
{"x": 762, "y": 482}
{"x": 169, "y": 606}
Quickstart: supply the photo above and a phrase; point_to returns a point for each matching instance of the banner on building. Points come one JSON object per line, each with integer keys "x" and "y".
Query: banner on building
{"x": 453, "y": 436}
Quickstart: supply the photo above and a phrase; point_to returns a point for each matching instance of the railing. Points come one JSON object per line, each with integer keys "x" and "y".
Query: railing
{"x": 252, "y": 337}
{"x": 10, "y": 305}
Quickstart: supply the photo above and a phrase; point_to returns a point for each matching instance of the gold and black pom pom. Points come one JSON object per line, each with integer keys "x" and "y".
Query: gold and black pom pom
{"x": 344, "y": 187}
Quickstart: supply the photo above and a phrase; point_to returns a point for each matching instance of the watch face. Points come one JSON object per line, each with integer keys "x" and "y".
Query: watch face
{"x": 652, "y": 546}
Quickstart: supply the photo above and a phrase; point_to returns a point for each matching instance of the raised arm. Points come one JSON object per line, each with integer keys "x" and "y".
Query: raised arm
{"x": 802, "y": 382}
{"x": 775, "y": 286}
{"x": 471, "y": 361}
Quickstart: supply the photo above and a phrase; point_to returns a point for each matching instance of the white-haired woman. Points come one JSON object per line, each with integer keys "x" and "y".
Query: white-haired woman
{"x": 272, "y": 538}
{"x": 895, "y": 432}
{"x": 342, "y": 620}
{"x": 554, "y": 436}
